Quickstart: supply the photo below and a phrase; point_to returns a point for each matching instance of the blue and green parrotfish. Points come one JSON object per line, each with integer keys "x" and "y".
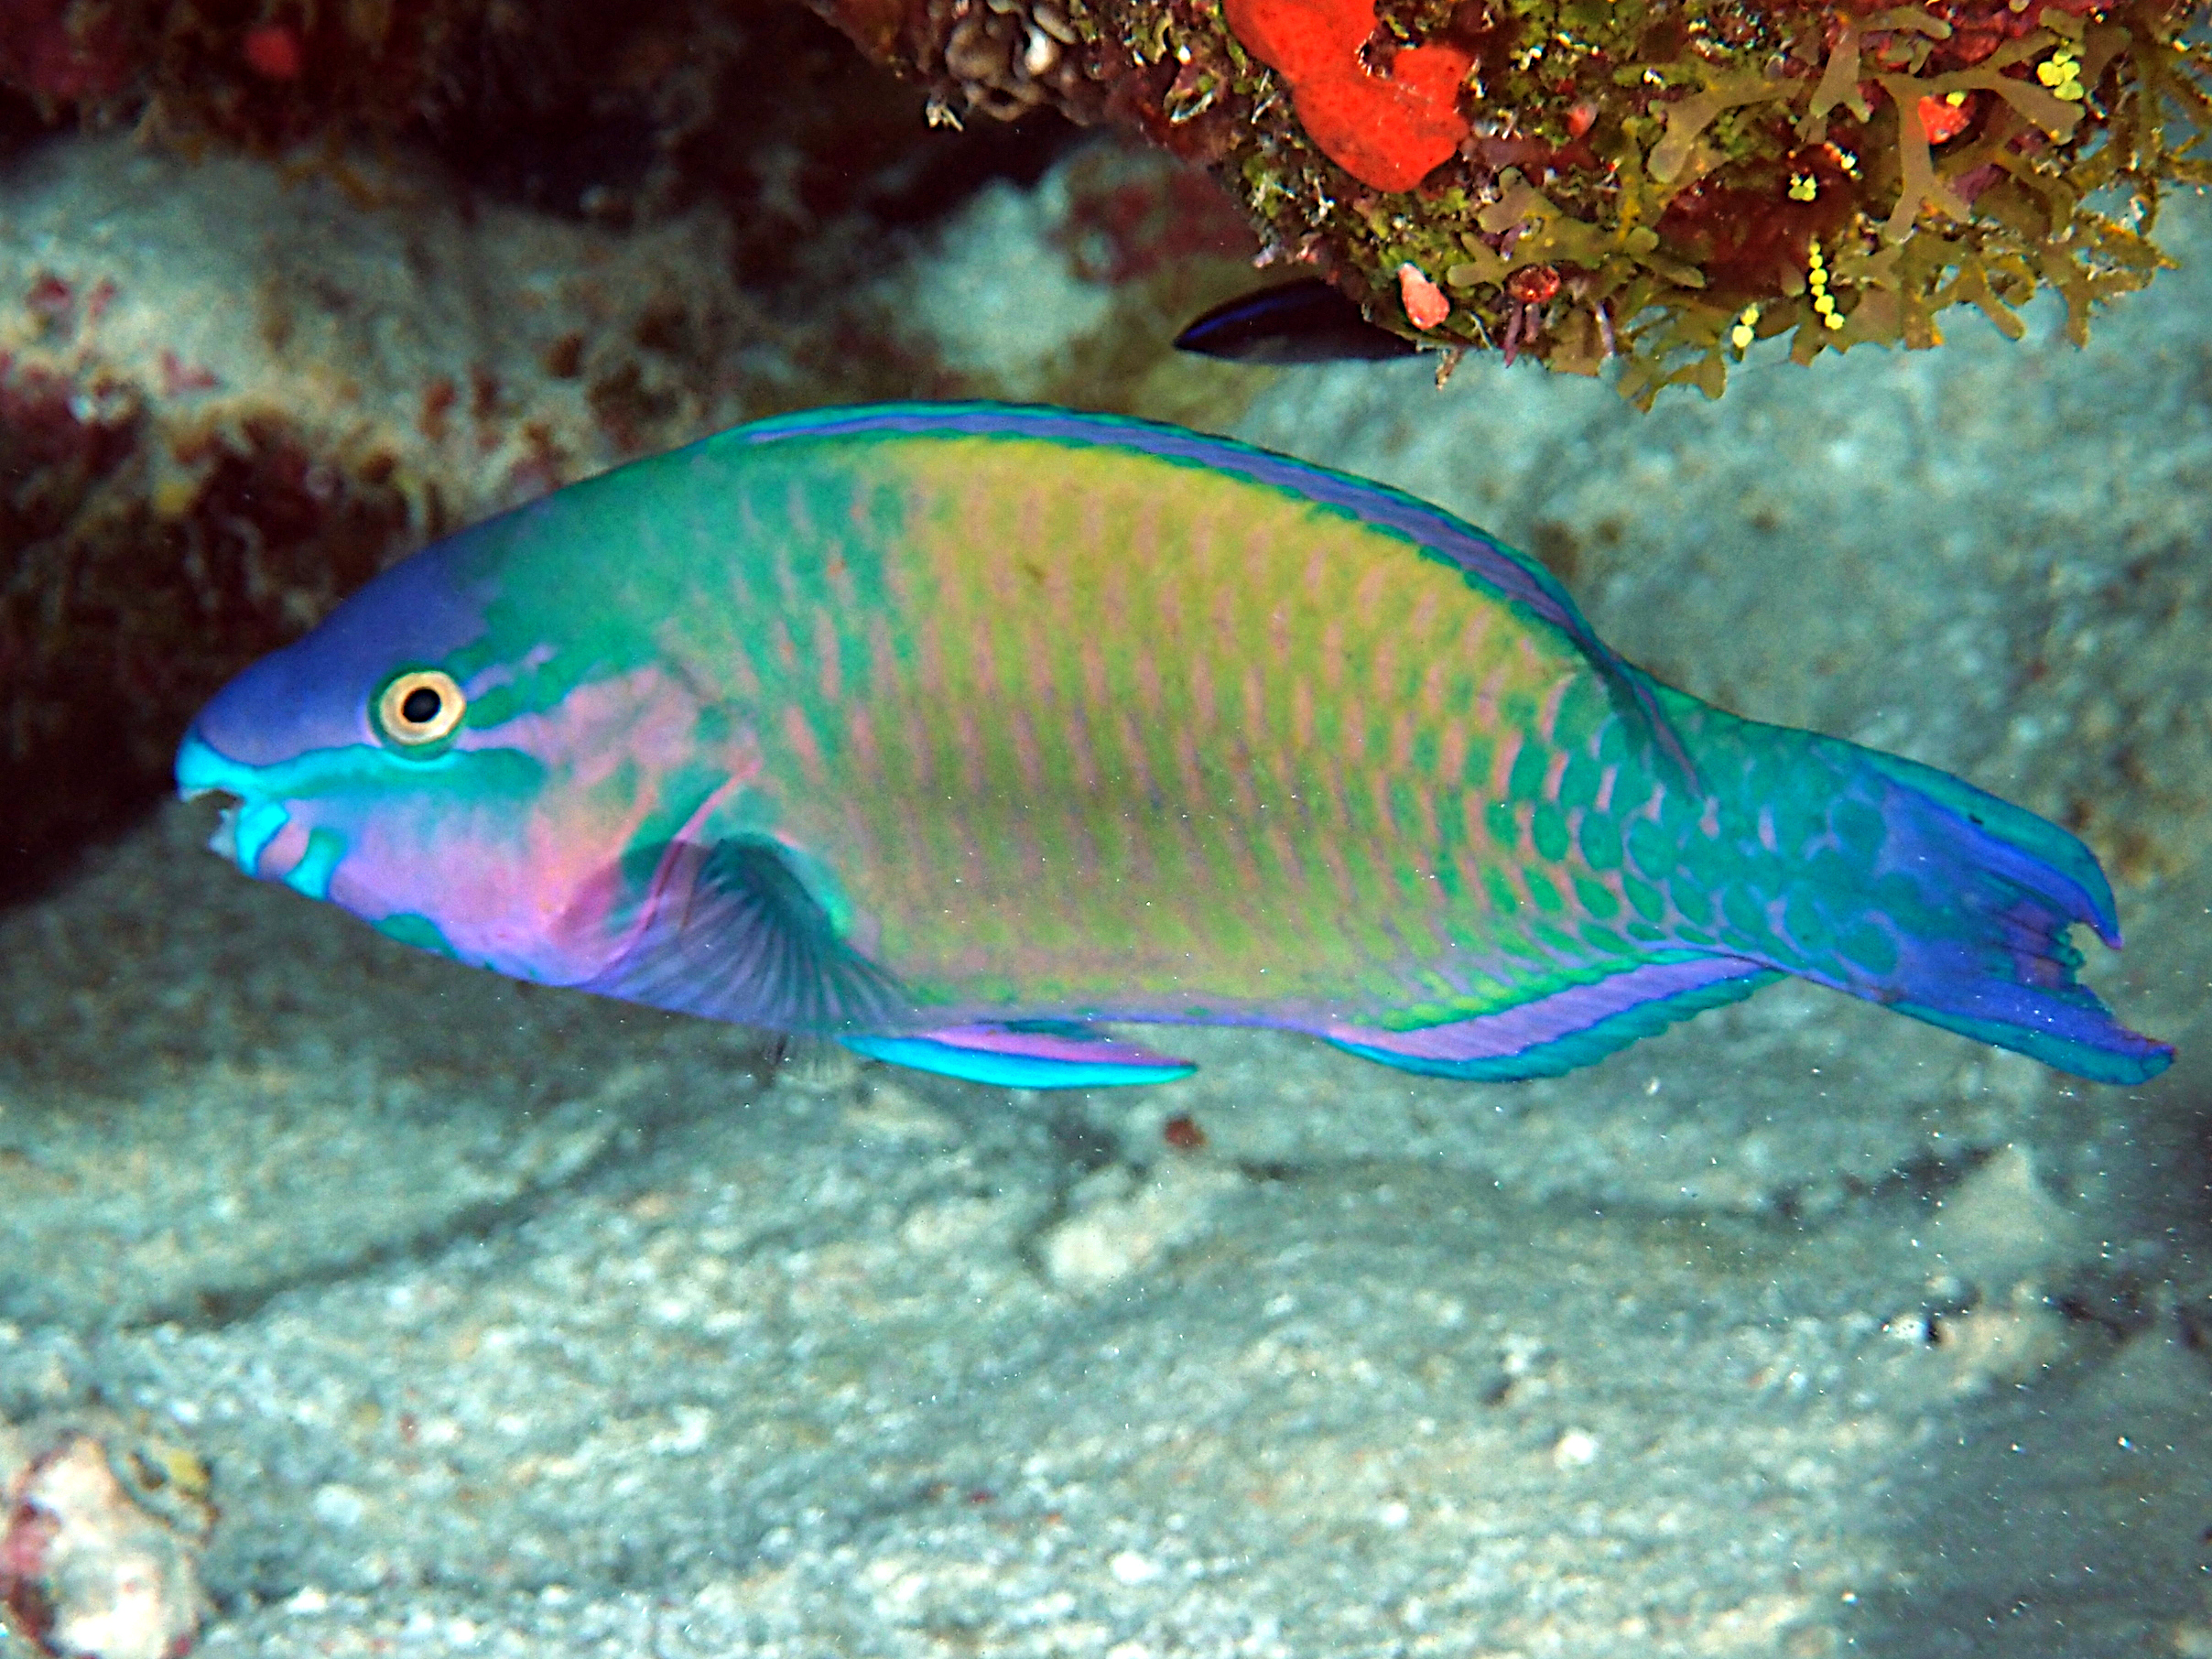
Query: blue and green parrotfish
{"x": 956, "y": 732}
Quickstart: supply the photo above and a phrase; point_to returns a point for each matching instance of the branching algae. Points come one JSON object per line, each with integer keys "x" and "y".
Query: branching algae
{"x": 1666, "y": 180}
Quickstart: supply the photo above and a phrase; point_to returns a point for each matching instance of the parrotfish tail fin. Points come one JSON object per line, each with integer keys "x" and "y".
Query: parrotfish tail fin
{"x": 1025, "y": 1054}
{"x": 1556, "y": 1031}
{"x": 1963, "y": 920}
{"x": 732, "y": 932}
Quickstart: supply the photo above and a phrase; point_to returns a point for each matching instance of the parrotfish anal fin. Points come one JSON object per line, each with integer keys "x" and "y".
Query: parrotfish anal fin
{"x": 1025, "y": 1054}
{"x": 736, "y": 936}
{"x": 1555, "y": 1034}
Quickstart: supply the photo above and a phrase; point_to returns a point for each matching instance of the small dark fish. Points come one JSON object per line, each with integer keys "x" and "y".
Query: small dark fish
{"x": 1304, "y": 321}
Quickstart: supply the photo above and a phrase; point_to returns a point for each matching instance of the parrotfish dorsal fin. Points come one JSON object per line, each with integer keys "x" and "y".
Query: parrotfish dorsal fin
{"x": 733, "y": 933}
{"x": 1486, "y": 562}
{"x": 1631, "y": 692}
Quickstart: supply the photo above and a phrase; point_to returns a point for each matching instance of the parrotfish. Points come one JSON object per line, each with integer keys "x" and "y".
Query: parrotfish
{"x": 957, "y": 733}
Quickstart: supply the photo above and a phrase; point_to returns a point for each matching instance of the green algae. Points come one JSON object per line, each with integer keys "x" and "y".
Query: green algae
{"x": 1668, "y": 181}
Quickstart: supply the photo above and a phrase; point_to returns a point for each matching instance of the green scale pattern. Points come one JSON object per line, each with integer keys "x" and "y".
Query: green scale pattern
{"x": 1085, "y": 731}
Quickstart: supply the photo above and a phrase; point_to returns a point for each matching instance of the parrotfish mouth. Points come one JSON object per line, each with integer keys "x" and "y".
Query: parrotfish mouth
{"x": 247, "y": 826}
{"x": 224, "y": 843}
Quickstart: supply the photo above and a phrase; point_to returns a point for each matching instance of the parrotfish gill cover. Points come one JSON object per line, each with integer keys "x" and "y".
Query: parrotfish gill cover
{"x": 950, "y": 730}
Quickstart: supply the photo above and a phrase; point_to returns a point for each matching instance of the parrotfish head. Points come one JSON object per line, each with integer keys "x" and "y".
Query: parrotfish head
{"x": 493, "y": 781}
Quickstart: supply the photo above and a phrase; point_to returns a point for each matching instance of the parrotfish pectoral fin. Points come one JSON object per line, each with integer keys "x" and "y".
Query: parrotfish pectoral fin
{"x": 732, "y": 932}
{"x": 1025, "y": 1054}
{"x": 1552, "y": 1034}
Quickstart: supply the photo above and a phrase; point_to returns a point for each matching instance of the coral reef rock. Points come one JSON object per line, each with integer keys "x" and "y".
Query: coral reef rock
{"x": 224, "y": 402}
{"x": 95, "y": 1564}
{"x": 1664, "y": 181}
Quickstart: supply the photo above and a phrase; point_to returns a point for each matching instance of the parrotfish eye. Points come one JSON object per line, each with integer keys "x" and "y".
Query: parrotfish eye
{"x": 419, "y": 707}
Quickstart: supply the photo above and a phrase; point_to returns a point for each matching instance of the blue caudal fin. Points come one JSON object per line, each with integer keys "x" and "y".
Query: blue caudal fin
{"x": 2124, "y": 1058}
{"x": 1986, "y": 952}
{"x": 1025, "y": 1054}
{"x": 1903, "y": 885}
{"x": 1548, "y": 1036}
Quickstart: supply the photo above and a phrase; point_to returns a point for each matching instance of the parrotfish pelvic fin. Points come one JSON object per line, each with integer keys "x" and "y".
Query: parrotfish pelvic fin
{"x": 1025, "y": 1054}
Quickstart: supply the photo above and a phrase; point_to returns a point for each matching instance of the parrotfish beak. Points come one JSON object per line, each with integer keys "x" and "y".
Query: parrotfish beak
{"x": 200, "y": 770}
{"x": 249, "y": 825}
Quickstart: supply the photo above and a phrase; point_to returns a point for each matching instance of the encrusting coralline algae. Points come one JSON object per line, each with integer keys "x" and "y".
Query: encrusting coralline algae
{"x": 1666, "y": 180}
